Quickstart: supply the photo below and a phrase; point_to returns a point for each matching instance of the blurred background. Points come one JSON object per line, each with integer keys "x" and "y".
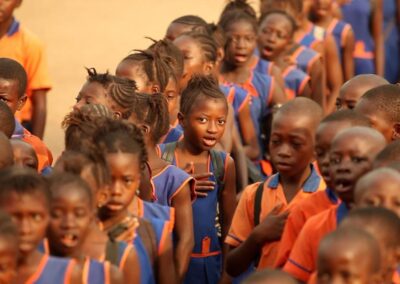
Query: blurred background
{"x": 96, "y": 33}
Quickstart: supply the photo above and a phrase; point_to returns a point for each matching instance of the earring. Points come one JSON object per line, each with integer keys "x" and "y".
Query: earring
{"x": 137, "y": 192}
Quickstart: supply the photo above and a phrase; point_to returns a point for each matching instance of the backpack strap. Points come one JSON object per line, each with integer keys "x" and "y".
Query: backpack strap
{"x": 218, "y": 164}
{"x": 148, "y": 237}
{"x": 169, "y": 152}
{"x": 112, "y": 252}
{"x": 257, "y": 203}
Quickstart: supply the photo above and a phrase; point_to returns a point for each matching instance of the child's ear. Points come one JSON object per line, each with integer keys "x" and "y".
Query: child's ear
{"x": 145, "y": 129}
{"x": 101, "y": 197}
{"x": 396, "y": 131}
{"x": 155, "y": 88}
{"x": 21, "y": 102}
{"x": 220, "y": 54}
{"x": 117, "y": 115}
{"x": 208, "y": 67}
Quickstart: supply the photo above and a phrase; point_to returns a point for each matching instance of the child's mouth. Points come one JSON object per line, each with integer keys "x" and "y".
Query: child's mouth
{"x": 209, "y": 141}
{"x": 267, "y": 51}
{"x": 69, "y": 240}
{"x": 343, "y": 185}
{"x": 240, "y": 58}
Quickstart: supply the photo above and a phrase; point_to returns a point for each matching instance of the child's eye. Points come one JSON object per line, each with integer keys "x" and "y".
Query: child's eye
{"x": 358, "y": 160}
{"x": 334, "y": 160}
{"x": 128, "y": 181}
{"x": 275, "y": 141}
{"x": 202, "y": 119}
{"x": 80, "y": 212}
{"x": 221, "y": 122}
{"x": 56, "y": 213}
{"x": 37, "y": 217}
{"x": 338, "y": 104}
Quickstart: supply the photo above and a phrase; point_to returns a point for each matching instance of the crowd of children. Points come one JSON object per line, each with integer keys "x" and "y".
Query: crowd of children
{"x": 261, "y": 149}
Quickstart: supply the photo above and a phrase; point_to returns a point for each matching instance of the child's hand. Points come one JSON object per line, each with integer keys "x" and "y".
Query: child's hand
{"x": 271, "y": 228}
{"x": 202, "y": 184}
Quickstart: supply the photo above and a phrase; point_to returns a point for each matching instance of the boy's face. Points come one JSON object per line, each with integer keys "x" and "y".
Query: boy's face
{"x": 378, "y": 119}
{"x": 292, "y": 143}
{"x": 24, "y": 155}
{"x": 70, "y": 216}
{"x": 349, "y": 96}
{"x": 30, "y": 212}
{"x": 323, "y": 139}
{"x": 350, "y": 157}
{"x": 344, "y": 264}
{"x": 7, "y": 8}
{"x": 171, "y": 93}
{"x": 8, "y": 259}
{"x": 9, "y": 94}
{"x": 242, "y": 41}
{"x": 205, "y": 124}
{"x": 274, "y": 35}
{"x": 125, "y": 174}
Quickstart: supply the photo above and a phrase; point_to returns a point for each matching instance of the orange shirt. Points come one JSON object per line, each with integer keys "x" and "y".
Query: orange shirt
{"x": 396, "y": 276}
{"x": 316, "y": 203}
{"x": 302, "y": 260}
{"x": 23, "y": 46}
{"x": 273, "y": 194}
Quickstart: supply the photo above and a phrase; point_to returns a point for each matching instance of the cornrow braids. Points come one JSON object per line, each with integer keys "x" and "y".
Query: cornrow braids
{"x": 295, "y": 6}
{"x": 171, "y": 54}
{"x": 206, "y": 43}
{"x": 283, "y": 13}
{"x": 217, "y": 34}
{"x": 200, "y": 85}
{"x": 153, "y": 111}
{"x": 120, "y": 136}
{"x": 190, "y": 20}
{"x": 154, "y": 66}
{"x": 103, "y": 79}
{"x": 241, "y": 5}
{"x": 234, "y": 16}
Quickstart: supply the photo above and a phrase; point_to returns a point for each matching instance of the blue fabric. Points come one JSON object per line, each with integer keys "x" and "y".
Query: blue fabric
{"x": 96, "y": 273}
{"x": 173, "y": 135}
{"x": 153, "y": 210}
{"x": 392, "y": 41}
{"x": 341, "y": 212}
{"x": 13, "y": 28}
{"x": 54, "y": 271}
{"x": 146, "y": 269}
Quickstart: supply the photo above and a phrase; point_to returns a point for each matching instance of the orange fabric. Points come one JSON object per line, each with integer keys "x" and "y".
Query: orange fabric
{"x": 396, "y": 277}
{"x": 313, "y": 279}
{"x": 68, "y": 273}
{"x": 302, "y": 260}
{"x": 44, "y": 155}
{"x": 26, "y": 48}
{"x": 243, "y": 219}
{"x": 361, "y": 52}
{"x": 300, "y": 213}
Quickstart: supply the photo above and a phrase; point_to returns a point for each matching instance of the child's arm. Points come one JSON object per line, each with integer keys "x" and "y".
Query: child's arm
{"x": 278, "y": 95}
{"x": 166, "y": 267}
{"x": 250, "y": 146}
{"x": 333, "y": 72}
{"x": 39, "y": 112}
{"x": 183, "y": 230}
{"x": 276, "y": 73}
{"x": 227, "y": 139}
{"x": 306, "y": 92}
{"x": 317, "y": 74}
{"x": 377, "y": 33}
{"x": 347, "y": 56}
{"x": 131, "y": 268}
{"x": 240, "y": 161}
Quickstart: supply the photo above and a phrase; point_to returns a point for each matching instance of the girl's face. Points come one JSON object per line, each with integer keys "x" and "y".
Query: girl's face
{"x": 8, "y": 259}
{"x": 71, "y": 213}
{"x": 205, "y": 124}
{"x": 133, "y": 71}
{"x": 125, "y": 174}
{"x": 92, "y": 93}
{"x": 171, "y": 93}
{"x": 194, "y": 60}
{"x": 242, "y": 40}
{"x": 274, "y": 35}
{"x": 24, "y": 155}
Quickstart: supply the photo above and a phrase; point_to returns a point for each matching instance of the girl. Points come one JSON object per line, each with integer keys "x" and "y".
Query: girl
{"x": 170, "y": 185}
{"x": 126, "y": 155}
{"x": 71, "y": 213}
{"x": 203, "y": 112}
{"x": 185, "y": 24}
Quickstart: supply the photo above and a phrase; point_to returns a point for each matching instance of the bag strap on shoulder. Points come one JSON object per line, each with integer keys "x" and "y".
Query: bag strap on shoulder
{"x": 257, "y": 203}
{"x": 169, "y": 152}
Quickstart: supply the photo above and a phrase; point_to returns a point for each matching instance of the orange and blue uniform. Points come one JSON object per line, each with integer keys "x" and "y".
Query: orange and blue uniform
{"x": 391, "y": 33}
{"x": 295, "y": 81}
{"x": 305, "y": 58}
{"x": 23, "y": 46}
{"x": 151, "y": 210}
{"x": 339, "y": 30}
{"x": 44, "y": 155}
{"x": 358, "y": 14}
{"x": 303, "y": 257}
{"x": 273, "y": 194}
{"x": 304, "y": 210}
{"x": 308, "y": 40}
{"x": 52, "y": 270}
{"x": 174, "y": 134}
{"x": 96, "y": 272}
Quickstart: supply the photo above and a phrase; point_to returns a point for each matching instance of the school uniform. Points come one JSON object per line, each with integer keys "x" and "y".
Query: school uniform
{"x": 151, "y": 210}
{"x": 358, "y": 14}
{"x": 339, "y": 30}
{"x": 305, "y": 58}
{"x": 392, "y": 41}
{"x": 262, "y": 66}
{"x": 309, "y": 40}
{"x": 302, "y": 260}
{"x": 45, "y": 158}
{"x": 52, "y": 270}
{"x": 96, "y": 272}
{"x": 174, "y": 134}
{"x": 300, "y": 213}
{"x": 243, "y": 221}
{"x": 295, "y": 81}
{"x": 23, "y": 46}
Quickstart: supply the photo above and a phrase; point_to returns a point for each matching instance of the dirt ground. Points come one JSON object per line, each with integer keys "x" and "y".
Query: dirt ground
{"x": 96, "y": 33}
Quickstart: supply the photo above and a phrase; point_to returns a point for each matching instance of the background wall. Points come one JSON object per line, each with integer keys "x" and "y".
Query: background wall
{"x": 96, "y": 33}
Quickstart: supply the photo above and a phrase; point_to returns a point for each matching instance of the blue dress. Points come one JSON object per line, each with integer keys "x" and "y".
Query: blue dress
{"x": 392, "y": 41}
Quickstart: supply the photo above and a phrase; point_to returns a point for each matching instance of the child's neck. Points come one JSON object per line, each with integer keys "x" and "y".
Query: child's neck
{"x": 30, "y": 260}
{"x": 324, "y": 21}
{"x": 110, "y": 221}
{"x": 154, "y": 160}
{"x": 188, "y": 149}
{"x": 5, "y": 26}
{"x": 235, "y": 74}
{"x": 291, "y": 185}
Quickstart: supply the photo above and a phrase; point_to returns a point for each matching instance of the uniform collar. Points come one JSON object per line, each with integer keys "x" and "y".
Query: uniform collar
{"x": 19, "y": 130}
{"x": 13, "y": 28}
{"x": 310, "y": 185}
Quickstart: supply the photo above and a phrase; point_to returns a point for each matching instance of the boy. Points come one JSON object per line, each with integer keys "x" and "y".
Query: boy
{"x": 24, "y": 154}
{"x": 268, "y": 276}
{"x": 384, "y": 226}
{"x": 380, "y": 187}
{"x": 348, "y": 255}
{"x": 351, "y": 155}
{"x": 25, "y": 196}
{"x": 23, "y": 46}
{"x": 7, "y": 125}
{"x": 382, "y": 107}
{"x": 351, "y": 91}
{"x": 13, "y": 82}
{"x": 6, "y": 152}
{"x": 291, "y": 146}
{"x": 390, "y": 154}
{"x": 329, "y": 127}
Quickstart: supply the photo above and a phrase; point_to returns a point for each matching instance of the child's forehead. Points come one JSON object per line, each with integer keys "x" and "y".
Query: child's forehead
{"x": 294, "y": 121}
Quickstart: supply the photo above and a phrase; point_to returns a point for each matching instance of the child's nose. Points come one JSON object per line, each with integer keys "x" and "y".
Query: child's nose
{"x": 212, "y": 127}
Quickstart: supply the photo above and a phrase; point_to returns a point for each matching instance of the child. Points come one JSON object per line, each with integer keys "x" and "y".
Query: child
{"x": 6, "y": 152}
{"x": 322, "y": 14}
{"x": 185, "y": 24}
{"x": 275, "y": 34}
{"x": 7, "y": 120}
{"x": 384, "y": 226}
{"x": 268, "y": 276}
{"x": 71, "y": 214}
{"x": 351, "y": 91}
{"x": 124, "y": 150}
{"x": 24, "y": 154}
{"x": 263, "y": 207}
{"x": 8, "y": 249}
{"x": 26, "y": 197}
{"x": 351, "y": 155}
{"x": 379, "y": 187}
{"x": 389, "y": 155}
{"x": 329, "y": 127}
{"x": 203, "y": 111}
{"x": 13, "y": 80}
{"x": 115, "y": 93}
{"x": 22, "y": 45}
{"x": 349, "y": 255}
{"x": 171, "y": 186}
{"x": 382, "y": 107}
